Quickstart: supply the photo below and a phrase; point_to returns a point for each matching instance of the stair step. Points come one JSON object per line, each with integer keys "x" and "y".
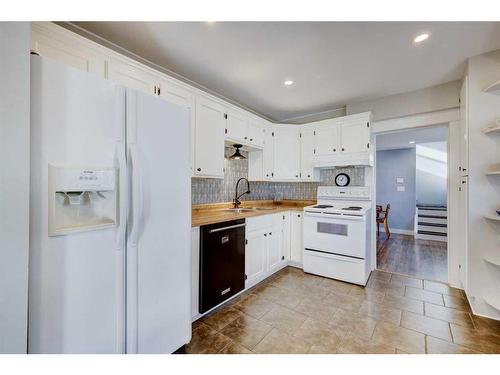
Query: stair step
{"x": 431, "y": 233}
{"x": 428, "y": 224}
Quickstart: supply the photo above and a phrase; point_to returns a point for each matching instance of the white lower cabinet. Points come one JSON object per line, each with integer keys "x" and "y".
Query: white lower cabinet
{"x": 255, "y": 257}
{"x": 296, "y": 243}
{"x": 265, "y": 247}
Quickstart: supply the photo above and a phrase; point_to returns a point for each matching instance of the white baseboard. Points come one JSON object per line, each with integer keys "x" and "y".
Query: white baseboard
{"x": 400, "y": 231}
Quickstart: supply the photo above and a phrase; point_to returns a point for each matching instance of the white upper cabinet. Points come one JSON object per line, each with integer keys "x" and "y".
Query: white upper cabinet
{"x": 132, "y": 76}
{"x": 355, "y": 136}
{"x": 327, "y": 138}
{"x": 236, "y": 127}
{"x": 256, "y": 134}
{"x": 209, "y": 139}
{"x": 306, "y": 154}
{"x": 184, "y": 98}
{"x": 66, "y": 49}
{"x": 286, "y": 152}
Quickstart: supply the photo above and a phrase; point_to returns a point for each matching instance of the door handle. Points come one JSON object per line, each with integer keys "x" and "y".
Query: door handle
{"x": 226, "y": 228}
{"x": 136, "y": 194}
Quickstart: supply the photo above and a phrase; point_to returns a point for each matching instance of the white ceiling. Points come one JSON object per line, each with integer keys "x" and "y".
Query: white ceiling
{"x": 401, "y": 139}
{"x": 331, "y": 63}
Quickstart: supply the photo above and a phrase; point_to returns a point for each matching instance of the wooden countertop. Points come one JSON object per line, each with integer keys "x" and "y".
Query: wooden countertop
{"x": 211, "y": 213}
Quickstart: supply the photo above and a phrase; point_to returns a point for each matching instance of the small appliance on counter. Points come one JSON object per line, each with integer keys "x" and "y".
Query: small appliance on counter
{"x": 222, "y": 262}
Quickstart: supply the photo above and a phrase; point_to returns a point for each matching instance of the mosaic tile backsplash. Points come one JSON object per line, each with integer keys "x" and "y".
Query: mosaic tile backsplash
{"x": 212, "y": 190}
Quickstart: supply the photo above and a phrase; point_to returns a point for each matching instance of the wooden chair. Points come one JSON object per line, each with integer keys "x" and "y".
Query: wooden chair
{"x": 382, "y": 218}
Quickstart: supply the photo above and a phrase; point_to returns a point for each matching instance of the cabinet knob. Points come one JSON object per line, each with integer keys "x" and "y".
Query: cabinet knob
{"x": 270, "y": 233}
{"x": 343, "y": 149}
{"x": 245, "y": 137}
{"x": 296, "y": 175}
{"x": 308, "y": 175}
{"x": 298, "y": 215}
{"x": 267, "y": 175}
{"x": 251, "y": 139}
{"x": 334, "y": 150}
{"x": 265, "y": 234}
{"x": 198, "y": 169}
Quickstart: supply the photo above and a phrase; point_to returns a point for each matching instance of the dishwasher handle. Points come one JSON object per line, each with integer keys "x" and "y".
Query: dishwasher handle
{"x": 226, "y": 228}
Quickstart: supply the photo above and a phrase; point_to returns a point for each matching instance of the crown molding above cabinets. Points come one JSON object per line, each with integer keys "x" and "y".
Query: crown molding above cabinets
{"x": 277, "y": 152}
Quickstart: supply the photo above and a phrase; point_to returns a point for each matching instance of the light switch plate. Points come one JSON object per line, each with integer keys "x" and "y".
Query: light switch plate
{"x": 400, "y": 188}
{"x": 400, "y": 180}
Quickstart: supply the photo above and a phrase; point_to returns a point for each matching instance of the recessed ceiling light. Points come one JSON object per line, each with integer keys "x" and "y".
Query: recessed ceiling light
{"x": 421, "y": 38}
{"x": 288, "y": 82}
{"x": 411, "y": 142}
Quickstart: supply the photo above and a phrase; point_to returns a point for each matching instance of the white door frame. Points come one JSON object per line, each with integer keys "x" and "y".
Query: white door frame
{"x": 449, "y": 118}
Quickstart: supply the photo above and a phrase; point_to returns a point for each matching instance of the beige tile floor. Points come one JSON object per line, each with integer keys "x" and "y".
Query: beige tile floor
{"x": 295, "y": 312}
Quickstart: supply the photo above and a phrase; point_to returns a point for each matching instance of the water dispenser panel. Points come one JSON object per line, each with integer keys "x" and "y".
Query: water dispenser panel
{"x": 81, "y": 199}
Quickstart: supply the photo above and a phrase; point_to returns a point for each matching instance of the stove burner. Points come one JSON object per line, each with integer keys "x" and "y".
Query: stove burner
{"x": 353, "y": 208}
{"x": 323, "y": 206}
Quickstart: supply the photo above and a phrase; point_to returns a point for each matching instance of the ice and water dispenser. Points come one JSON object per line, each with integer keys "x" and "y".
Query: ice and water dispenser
{"x": 81, "y": 199}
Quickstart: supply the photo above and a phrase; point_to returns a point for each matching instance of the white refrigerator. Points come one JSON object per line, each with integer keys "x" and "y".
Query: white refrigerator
{"x": 110, "y": 216}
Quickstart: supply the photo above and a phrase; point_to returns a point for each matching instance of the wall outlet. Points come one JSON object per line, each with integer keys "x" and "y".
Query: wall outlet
{"x": 400, "y": 188}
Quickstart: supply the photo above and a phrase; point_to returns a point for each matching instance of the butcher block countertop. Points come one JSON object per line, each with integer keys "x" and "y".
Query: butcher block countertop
{"x": 211, "y": 213}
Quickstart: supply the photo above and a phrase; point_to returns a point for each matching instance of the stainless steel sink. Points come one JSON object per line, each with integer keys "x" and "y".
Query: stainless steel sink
{"x": 238, "y": 210}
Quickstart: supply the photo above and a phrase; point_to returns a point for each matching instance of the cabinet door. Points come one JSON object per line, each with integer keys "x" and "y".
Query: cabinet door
{"x": 255, "y": 257}
{"x": 306, "y": 154}
{"x": 296, "y": 246}
{"x": 275, "y": 255}
{"x": 355, "y": 136}
{"x": 184, "y": 98}
{"x": 327, "y": 139}
{"x": 286, "y": 234}
{"x": 255, "y": 134}
{"x": 132, "y": 76}
{"x": 268, "y": 155}
{"x": 68, "y": 50}
{"x": 286, "y": 153}
{"x": 236, "y": 127}
{"x": 209, "y": 139}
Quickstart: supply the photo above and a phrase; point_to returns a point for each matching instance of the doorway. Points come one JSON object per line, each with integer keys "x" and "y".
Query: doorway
{"x": 411, "y": 198}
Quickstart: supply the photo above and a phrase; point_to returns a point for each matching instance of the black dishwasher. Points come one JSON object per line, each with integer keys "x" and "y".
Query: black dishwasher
{"x": 222, "y": 262}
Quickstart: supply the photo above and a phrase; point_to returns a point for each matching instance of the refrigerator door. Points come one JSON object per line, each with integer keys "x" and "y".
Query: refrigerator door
{"x": 76, "y": 280}
{"x": 158, "y": 247}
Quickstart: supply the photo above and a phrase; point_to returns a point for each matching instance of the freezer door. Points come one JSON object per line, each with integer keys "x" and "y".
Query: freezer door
{"x": 158, "y": 248}
{"x": 76, "y": 288}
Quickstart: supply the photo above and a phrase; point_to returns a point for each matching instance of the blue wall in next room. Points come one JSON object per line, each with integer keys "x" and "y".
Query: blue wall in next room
{"x": 392, "y": 164}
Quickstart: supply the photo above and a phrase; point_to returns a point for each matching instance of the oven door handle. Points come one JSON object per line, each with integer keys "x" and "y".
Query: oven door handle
{"x": 328, "y": 217}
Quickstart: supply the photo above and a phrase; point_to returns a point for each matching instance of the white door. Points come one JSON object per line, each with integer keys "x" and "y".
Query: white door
{"x": 296, "y": 247}
{"x": 236, "y": 127}
{"x": 268, "y": 155}
{"x": 76, "y": 291}
{"x": 463, "y": 209}
{"x": 355, "y": 136}
{"x": 158, "y": 250}
{"x": 131, "y": 76}
{"x": 306, "y": 154}
{"x": 209, "y": 139}
{"x": 327, "y": 140}
{"x": 286, "y": 153}
{"x": 255, "y": 257}
{"x": 275, "y": 255}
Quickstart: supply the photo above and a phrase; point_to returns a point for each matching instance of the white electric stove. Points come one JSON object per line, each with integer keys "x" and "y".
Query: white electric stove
{"x": 337, "y": 234}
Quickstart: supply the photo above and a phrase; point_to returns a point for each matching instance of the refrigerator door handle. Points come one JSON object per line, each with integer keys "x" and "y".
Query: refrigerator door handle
{"x": 136, "y": 194}
{"x": 123, "y": 203}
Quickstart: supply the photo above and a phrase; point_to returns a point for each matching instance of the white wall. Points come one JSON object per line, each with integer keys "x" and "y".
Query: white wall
{"x": 484, "y": 191}
{"x": 430, "y": 99}
{"x": 431, "y": 173}
{"x": 14, "y": 185}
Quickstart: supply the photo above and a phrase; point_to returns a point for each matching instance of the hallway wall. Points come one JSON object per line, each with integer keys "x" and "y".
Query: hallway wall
{"x": 392, "y": 164}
